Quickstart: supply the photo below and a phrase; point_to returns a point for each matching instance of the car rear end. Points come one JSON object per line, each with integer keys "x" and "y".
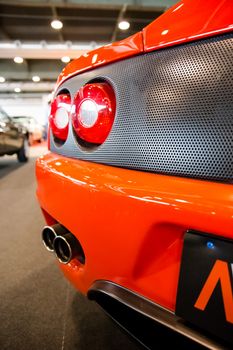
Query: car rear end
{"x": 137, "y": 187}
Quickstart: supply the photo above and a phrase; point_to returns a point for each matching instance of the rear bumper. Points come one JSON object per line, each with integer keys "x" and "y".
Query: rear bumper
{"x": 130, "y": 224}
{"x": 124, "y": 306}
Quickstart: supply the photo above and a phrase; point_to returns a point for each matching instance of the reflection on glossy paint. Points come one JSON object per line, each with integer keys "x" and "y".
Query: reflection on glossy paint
{"x": 106, "y": 54}
{"x": 181, "y": 201}
{"x": 178, "y": 7}
{"x": 94, "y": 58}
{"x": 61, "y": 172}
{"x": 150, "y": 199}
{"x": 164, "y": 32}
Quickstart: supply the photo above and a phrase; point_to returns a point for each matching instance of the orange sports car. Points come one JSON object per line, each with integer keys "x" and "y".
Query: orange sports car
{"x": 137, "y": 187}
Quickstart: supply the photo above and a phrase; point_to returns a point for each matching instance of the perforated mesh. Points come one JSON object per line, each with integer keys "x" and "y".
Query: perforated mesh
{"x": 174, "y": 112}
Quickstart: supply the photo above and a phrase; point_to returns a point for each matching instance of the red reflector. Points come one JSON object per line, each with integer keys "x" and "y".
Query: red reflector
{"x": 59, "y": 116}
{"x": 93, "y": 112}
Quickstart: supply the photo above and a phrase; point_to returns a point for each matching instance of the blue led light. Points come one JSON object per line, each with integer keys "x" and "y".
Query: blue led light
{"x": 210, "y": 245}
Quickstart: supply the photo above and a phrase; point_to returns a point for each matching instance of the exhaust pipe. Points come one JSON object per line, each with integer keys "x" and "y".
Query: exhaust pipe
{"x": 67, "y": 247}
{"x": 49, "y": 234}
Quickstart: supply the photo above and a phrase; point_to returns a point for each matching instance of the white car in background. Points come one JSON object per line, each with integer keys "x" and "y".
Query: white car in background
{"x": 35, "y": 129}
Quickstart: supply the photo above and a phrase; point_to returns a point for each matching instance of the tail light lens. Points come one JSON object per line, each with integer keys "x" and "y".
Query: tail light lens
{"x": 59, "y": 116}
{"x": 93, "y": 112}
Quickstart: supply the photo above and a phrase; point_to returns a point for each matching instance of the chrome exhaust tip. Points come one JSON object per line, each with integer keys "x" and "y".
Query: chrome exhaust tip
{"x": 67, "y": 247}
{"x": 49, "y": 233}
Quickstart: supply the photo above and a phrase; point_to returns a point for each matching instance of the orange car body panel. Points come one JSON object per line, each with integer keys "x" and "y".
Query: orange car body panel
{"x": 130, "y": 223}
{"x": 189, "y": 20}
{"x": 103, "y": 55}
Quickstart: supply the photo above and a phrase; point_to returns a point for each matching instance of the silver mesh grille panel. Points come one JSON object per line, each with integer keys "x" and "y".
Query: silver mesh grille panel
{"x": 174, "y": 112}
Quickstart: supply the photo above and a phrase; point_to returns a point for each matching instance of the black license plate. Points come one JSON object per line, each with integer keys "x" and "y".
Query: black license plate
{"x": 205, "y": 290}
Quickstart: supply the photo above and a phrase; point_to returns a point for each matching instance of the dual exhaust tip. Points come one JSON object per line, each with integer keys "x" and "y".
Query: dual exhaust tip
{"x": 64, "y": 244}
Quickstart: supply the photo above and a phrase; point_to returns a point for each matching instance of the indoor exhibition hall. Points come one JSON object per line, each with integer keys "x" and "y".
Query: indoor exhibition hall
{"x": 116, "y": 174}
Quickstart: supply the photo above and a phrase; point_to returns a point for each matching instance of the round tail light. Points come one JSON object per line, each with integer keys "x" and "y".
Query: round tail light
{"x": 93, "y": 112}
{"x": 59, "y": 116}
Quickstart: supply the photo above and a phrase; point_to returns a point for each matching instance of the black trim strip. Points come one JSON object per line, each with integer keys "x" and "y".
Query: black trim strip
{"x": 151, "y": 310}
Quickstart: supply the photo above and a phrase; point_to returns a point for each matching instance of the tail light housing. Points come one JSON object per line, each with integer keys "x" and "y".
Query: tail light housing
{"x": 93, "y": 112}
{"x": 59, "y": 116}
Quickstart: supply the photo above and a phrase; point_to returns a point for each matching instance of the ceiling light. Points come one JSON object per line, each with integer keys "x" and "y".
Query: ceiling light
{"x": 123, "y": 25}
{"x": 65, "y": 59}
{"x": 56, "y": 24}
{"x": 2, "y": 80}
{"x": 36, "y": 78}
{"x": 17, "y": 89}
{"x": 18, "y": 59}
